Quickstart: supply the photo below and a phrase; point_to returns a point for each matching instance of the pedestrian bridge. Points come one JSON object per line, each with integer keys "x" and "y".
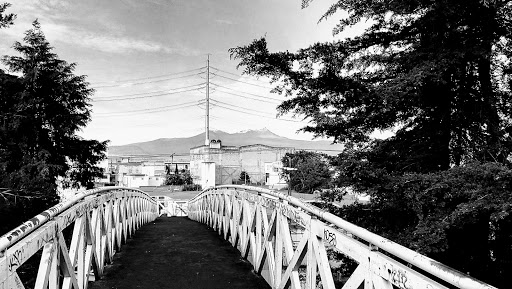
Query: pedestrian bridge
{"x": 286, "y": 242}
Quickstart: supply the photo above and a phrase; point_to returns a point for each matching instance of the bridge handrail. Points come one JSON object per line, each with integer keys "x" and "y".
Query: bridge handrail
{"x": 76, "y": 237}
{"x": 426, "y": 264}
{"x": 16, "y": 234}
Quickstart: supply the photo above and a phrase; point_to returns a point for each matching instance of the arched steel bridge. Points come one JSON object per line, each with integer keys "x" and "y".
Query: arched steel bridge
{"x": 287, "y": 241}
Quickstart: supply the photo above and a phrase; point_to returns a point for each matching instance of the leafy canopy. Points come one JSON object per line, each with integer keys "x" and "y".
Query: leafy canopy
{"x": 312, "y": 171}
{"x": 437, "y": 72}
{"x": 461, "y": 217}
{"x": 177, "y": 178}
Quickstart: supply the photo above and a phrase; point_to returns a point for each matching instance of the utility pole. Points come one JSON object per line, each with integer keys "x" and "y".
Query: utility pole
{"x": 207, "y": 116}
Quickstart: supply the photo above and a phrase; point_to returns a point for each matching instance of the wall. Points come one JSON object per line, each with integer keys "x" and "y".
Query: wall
{"x": 136, "y": 181}
{"x": 273, "y": 175}
{"x": 231, "y": 161}
{"x": 156, "y": 181}
{"x": 207, "y": 174}
{"x": 254, "y": 157}
{"x": 226, "y": 156}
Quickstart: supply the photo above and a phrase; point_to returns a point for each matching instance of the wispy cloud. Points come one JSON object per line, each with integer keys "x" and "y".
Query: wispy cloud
{"x": 224, "y": 21}
{"x": 120, "y": 44}
{"x": 161, "y": 2}
{"x": 106, "y": 35}
{"x": 31, "y": 8}
{"x": 139, "y": 3}
{"x": 104, "y": 42}
{"x": 52, "y": 5}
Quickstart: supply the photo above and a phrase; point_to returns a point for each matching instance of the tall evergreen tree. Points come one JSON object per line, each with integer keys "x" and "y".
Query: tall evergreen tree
{"x": 435, "y": 71}
{"x": 439, "y": 74}
{"x": 42, "y": 110}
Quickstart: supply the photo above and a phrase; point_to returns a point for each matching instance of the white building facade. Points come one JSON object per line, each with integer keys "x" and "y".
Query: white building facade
{"x": 260, "y": 162}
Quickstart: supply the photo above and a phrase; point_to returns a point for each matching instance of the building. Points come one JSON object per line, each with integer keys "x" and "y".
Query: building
{"x": 137, "y": 174}
{"x": 106, "y": 178}
{"x": 180, "y": 162}
{"x": 216, "y": 164}
{"x": 142, "y": 180}
{"x": 142, "y": 171}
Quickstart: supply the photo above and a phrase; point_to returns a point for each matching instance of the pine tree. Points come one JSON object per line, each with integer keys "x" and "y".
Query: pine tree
{"x": 437, "y": 72}
{"x": 6, "y": 19}
{"x": 42, "y": 111}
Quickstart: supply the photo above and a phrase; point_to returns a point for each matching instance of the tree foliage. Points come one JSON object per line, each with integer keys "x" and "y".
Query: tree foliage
{"x": 6, "y": 20}
{"x": 178, "y": 178}
{"x": 436, "y": 71}
{"x": 244, "y": 177}
{"x": 438, "y": 74}
{"x": 461, "y": 216}
{"x": 42, "y": 108}
{"x": 312, "y": 171}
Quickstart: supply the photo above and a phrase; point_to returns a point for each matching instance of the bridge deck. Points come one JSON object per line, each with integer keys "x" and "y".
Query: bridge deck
{"x": 178, "y": 253}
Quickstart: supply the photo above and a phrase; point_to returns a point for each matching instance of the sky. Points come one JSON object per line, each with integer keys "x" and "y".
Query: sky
{"x": 147, "y": 59}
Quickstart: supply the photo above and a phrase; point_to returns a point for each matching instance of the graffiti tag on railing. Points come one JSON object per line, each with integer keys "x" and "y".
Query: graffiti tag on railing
{"x": 15, "y": 260}
{"x": 267, "y": 202}
{"x": 251, "y": 198}
{"x": 295, "y": 215}
{"x": 399, "y": 278}
{"x": 330, "y": 238}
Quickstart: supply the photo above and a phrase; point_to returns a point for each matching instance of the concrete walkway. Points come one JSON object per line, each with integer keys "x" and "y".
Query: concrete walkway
{"x": 178, "y": 253}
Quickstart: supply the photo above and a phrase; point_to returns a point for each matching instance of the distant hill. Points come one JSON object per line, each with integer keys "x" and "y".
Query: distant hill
{"x": 167, "y": 146}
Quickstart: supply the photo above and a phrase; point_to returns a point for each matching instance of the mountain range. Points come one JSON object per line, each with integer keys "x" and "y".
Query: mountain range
{"x": 167, "y": 146}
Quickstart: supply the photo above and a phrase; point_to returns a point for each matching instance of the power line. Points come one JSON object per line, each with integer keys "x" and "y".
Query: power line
{"x": 146, "y": 112}
{"x": 155, "y": 109}
{"x": 222, "y": 117}
{"x": 268, "y": 87}
{"x": 247, "y": 97}
{"x": 150, "y": 77}
{"x": 154, "y": 81}
{"x": 238, "y": 75}
{"x": 149, "y": 109}
{"x": 224, "y": 103}
{"x": 232, "y": 109}
{"x": 234, "y": 74}
{"x": 163, "y": 121}
{"x": 146, "y": 96}
{"x": 134, "y": 94}
{"x": 257, "y": 95}
{"x": 150, "y": 92}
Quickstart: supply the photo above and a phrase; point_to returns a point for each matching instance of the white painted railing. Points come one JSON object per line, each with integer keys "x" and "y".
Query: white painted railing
{"x": 102, "y": 220}
{"x": 287, "y": 241}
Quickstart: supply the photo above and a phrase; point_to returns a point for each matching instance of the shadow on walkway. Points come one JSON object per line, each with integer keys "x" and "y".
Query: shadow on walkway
{"x": 178, "y": 253}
